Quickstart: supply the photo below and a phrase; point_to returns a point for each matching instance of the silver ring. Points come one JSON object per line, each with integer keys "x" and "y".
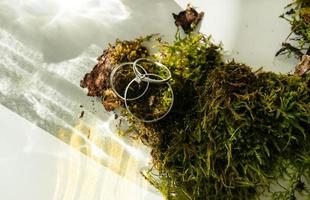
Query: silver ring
{"x": 152, "y": 120}
{"x": 136, "y": 79}
{"x": 144, "y": 77}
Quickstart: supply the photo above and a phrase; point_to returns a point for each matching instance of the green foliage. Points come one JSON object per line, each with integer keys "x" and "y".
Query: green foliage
{"x": 230, "y": 130}
{"x": 298, "y": 41}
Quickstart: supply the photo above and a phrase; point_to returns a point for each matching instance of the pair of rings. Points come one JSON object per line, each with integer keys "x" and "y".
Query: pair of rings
{"x": 141, "y": 76}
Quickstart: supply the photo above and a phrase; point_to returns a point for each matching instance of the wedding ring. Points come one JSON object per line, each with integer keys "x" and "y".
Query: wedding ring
{"x": 141, "y": 75}
{"x": 149, "y": 120}
{"x": 146, "y": 77}
{"x": 112, "y": 76}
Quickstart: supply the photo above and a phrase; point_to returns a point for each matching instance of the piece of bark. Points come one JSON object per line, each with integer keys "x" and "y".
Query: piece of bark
{"x": 98, "y": 79}
{"x": 188, "y": 19}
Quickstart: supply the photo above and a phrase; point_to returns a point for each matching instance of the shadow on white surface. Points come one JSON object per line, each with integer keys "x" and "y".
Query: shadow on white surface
{"x": 64, "y": 29}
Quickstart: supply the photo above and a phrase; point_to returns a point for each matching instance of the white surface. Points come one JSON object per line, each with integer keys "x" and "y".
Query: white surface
{"x": 35, "y": 165}
{"x": 45, "y": 49}
{"x": 250, "y": 30}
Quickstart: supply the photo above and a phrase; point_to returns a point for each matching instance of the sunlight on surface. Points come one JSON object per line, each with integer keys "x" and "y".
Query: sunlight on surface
{"x": 71, "y": 5}
{"x": 126, "y": 161}
{"x": 62, "y": 11}
{"x": 128, "y": 147}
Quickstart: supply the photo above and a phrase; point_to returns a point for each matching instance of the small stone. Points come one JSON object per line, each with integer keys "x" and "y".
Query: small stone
{"x": 304, "y": 66}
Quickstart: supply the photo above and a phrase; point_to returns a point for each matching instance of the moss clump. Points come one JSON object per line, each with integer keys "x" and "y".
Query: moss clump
{"x": 232, "y": 132}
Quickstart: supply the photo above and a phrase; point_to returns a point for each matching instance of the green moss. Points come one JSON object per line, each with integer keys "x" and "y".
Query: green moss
{"x": 230, "y": 130}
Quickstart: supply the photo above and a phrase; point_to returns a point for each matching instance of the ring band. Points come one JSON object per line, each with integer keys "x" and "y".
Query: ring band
{"x": 152, "y": 120}
{"x": 113, "y": 86}
{"x": 145, "y": 77}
